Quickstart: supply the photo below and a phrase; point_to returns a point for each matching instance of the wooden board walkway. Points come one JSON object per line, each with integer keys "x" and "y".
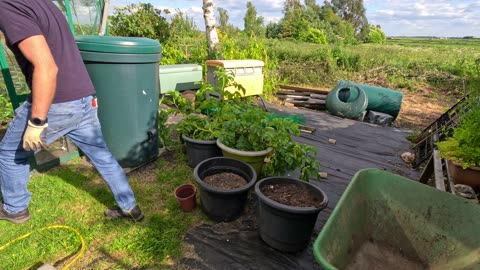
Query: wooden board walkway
{"x": 358, "y": 146}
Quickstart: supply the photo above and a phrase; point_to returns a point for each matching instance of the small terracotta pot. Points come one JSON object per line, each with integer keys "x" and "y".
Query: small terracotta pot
{"x": 186, "y": 197}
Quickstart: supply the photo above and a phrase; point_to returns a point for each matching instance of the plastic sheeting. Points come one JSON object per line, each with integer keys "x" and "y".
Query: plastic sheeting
{"x": 237, "y": 245}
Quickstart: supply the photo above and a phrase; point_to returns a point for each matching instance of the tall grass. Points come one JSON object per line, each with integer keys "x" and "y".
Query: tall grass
{"x": 448, "y": 67}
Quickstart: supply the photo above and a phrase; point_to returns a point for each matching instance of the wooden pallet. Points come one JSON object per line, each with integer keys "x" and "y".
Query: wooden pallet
{"x": 436, "y": 132}
{"x": 303, "y": 97}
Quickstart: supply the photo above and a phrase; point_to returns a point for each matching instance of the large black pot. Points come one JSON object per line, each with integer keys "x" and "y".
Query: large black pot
{"x": 284, "y": 227}
{"x": 198, "y": 150}
{"x": 218, "y": 204}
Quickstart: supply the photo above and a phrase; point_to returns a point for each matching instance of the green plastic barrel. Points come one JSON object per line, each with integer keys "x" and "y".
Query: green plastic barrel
{"x": 379, "y": 99}
{"x": 340, "y": 104}
{"x": 124, "y": 72}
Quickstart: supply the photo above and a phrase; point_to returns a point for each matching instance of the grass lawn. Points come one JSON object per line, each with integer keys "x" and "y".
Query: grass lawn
{"x": 74, "y": 195}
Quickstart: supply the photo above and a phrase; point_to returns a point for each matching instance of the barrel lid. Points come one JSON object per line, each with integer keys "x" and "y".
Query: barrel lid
{"x": 122, "y": 45}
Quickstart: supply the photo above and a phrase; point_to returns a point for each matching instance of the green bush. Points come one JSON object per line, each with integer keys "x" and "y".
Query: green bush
{"x": 464, "y": 146}
{"x": 376, "y": 35}
{"x": 141, "y": 20}
{"x": 314, "y": 36}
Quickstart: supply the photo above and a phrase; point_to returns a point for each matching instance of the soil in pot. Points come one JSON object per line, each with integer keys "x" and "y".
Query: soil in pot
{"x": 292, "y": 195}
{"x": 221, "y": 203}
{"x": 280, "y": 224}
{"x": 226, "y": 180}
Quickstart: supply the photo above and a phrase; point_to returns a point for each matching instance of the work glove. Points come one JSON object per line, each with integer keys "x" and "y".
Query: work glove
{"x": 33, "y": 139}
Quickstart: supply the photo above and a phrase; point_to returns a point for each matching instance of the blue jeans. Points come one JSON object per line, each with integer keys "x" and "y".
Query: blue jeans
{"x": 78, "y": 121}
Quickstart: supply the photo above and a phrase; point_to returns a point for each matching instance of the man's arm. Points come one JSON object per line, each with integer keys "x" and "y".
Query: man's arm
{"x": 44, "y": 81}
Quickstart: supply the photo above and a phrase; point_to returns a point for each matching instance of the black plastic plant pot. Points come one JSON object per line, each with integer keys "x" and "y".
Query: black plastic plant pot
{"x": 198, "y": 150}
{"x": 219, "y": 204}
{"x": 284, "y": 227}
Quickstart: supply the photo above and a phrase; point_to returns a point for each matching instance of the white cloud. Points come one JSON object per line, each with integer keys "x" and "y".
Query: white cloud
{"x": 426, "y": 17}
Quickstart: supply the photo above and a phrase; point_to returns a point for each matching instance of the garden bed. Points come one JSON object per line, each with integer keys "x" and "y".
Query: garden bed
{"x": 77, "y": 191}
{"x": 236, "y": 245}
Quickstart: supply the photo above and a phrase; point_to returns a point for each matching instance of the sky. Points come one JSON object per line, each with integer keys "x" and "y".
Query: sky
{"x": 441, "y": 18}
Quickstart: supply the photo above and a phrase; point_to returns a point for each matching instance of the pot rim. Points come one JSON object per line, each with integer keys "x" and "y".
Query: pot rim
{"x": 225, "y": 191}
{"x": 458, "y": 164}
{"x": 243, "y": 153}
{"x": 188, "y": 139}
{"x": 185, "y": 186}
{"x": 284, "y": 207}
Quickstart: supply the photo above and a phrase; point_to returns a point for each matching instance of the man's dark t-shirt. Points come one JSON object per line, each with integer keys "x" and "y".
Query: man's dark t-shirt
{"x": 20, "y": 19}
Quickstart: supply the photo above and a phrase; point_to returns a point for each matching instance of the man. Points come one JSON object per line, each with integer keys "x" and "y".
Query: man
{"x": 60, "y": 103}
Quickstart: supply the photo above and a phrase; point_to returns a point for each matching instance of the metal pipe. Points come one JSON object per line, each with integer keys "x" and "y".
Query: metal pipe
{"x": 69, "y": 16}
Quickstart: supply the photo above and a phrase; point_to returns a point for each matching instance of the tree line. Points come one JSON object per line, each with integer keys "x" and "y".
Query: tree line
{"x": 336, "y": 21}
{"x": 333, "y": 22}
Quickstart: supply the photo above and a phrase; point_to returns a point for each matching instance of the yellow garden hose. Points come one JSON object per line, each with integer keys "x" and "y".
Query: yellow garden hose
{"x": 80, "y": 253}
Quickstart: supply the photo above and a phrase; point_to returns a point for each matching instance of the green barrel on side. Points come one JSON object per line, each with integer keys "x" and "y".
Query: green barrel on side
{"x": 380, "y": 99}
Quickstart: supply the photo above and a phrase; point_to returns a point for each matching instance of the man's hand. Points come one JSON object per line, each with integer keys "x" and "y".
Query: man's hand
{"x": 33, "y": 139}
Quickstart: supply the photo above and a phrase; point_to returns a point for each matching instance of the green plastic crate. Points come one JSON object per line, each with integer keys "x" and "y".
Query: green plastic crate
{"x": 403, "y": 219}
{"x": 180, "y": 77}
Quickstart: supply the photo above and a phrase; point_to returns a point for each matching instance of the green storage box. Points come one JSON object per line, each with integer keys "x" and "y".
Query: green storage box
{"x": 124, "y": 71}
{"x": 385, "y": 221}
{"x": 180, "y": 77}
{"x": 248, "y": 73}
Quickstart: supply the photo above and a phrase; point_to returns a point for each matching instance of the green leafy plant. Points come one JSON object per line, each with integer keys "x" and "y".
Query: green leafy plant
{"x": 164, "y": 130}
{"x": 178, "y": 103}
{"x": 464, "y": 145}
{"x": 199, "y": 127}
{"x": 239, "y": 124}
{"x": 6, "y": 111}
{"x": 201, "y": 122}
{"x": 250, "y": 128}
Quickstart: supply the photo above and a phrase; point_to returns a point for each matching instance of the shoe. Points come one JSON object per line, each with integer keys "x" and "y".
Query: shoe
{"x": 20, "y": 217}
{"x": 135, "y": 214}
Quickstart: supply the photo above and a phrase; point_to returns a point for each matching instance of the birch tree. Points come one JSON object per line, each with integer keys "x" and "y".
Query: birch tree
{"x": 210, "y": 28}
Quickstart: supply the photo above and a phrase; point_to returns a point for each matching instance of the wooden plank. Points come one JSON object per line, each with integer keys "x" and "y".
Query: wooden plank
{"x": 293, "y": 93}
{"x": 292, "y": 97}
{"x": 438, "y": 171}
{"x": 317, "y": 96}
{"x": 304, "y": 89}
{"x": 451, "y": 185}
{"x": 306, "y": 129}
{"x": 311, "y": 106}
{"x": 427, "y": 171}
{"x": 316, "y": 101}
{"x": 296, "y": 101}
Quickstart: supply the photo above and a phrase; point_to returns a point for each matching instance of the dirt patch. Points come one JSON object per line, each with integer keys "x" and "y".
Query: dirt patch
{"x": 169, "y": 156}
{"x": 292, "y": 195}
{"x": 147, "y": 174}
{"x": 226, "y": 180}
{"x": 375, "y": 257}
{"x": 422, "y": 108}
